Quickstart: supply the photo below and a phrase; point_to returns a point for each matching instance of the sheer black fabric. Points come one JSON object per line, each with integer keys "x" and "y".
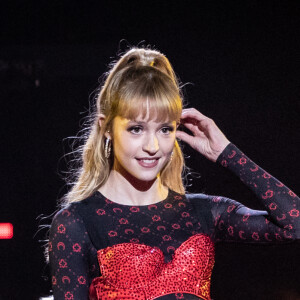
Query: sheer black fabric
{"x": 84, "y": 227}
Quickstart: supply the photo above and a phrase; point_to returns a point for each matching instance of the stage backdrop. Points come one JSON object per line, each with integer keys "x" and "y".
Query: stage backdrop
{"x": 240, "y": 66}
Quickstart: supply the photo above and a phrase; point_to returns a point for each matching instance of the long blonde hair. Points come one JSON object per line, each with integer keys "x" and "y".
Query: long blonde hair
{"x": 138, "y": 75}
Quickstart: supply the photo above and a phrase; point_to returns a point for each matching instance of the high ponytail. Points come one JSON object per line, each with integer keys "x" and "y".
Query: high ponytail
{"x": 138, "y": 75}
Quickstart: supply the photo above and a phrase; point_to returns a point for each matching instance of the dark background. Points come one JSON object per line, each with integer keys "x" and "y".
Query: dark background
{"x": 242, "y": 60}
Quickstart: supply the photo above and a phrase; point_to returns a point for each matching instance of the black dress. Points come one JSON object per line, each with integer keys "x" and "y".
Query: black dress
{"x": 137, "y": 245}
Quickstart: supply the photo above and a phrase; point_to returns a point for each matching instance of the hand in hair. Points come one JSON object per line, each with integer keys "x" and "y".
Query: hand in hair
{"x": 206, "y": 137}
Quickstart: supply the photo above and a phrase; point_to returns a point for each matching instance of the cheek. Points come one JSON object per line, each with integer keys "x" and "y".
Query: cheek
{"x": 167, "y": 145}
{"x": 125, "y": 148}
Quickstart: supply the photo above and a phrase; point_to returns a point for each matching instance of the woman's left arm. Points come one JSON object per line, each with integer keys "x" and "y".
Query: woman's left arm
{"x": 233, "y": 220}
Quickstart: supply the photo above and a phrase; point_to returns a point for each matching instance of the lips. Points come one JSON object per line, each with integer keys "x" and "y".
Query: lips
{"x": 148, "y": 162}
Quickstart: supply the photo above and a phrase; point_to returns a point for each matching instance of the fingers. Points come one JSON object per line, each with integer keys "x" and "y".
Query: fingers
{"x": 196, "y": 121}
{"x": 193, "y": 128}
{"x": 207, "y": 138}
{"x": 192, "y": 113}
{"x": 185, "y": 137}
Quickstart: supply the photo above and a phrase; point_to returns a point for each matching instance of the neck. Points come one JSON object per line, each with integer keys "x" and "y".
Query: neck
{"x": 131, "y": 191}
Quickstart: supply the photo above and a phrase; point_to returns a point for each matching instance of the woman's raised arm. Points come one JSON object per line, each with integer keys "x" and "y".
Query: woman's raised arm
{"x": 233, "y": 221}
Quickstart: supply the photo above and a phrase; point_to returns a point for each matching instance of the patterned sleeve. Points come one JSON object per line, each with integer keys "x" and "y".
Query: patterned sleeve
{"x": 70, "y": 256}
{"x": 234, "y": 222}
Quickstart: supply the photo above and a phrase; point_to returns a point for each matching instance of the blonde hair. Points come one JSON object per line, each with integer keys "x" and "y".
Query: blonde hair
{"x": 138, "y": 75}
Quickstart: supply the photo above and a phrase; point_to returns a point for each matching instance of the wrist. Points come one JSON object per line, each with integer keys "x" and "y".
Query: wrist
{"x": 223, "y": 155}
{"x": 220, "y": 153}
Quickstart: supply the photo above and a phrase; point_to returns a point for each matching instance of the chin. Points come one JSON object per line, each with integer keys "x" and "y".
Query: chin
{"x": 146, "y": 178}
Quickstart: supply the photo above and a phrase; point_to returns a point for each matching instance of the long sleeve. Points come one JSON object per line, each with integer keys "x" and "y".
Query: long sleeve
{"x": 72, "y": 257}
{"x": 234, "y": 222}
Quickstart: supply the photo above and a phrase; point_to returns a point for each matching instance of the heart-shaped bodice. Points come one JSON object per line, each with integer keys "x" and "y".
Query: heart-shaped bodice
{"x": 137, "y": 271}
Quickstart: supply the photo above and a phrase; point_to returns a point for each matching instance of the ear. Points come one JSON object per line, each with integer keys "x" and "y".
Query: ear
{"x": 101, "y": 123}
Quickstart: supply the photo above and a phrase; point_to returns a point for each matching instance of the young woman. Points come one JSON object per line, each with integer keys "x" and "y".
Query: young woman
{"x": 127, "y": 230}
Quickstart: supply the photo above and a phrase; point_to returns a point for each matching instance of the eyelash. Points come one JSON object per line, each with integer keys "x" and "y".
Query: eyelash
{"x": 134, "y": 129}
{"x": 169, "y": 128}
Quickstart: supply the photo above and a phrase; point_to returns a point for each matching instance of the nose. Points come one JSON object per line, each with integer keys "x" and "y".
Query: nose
{"x": 151, "y": 144}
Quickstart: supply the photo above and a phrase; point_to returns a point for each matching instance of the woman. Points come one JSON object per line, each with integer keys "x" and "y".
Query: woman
{"x": 127, "y": 229}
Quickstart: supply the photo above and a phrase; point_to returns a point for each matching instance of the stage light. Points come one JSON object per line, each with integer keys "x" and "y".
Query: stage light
{"x": 6, "y": 231}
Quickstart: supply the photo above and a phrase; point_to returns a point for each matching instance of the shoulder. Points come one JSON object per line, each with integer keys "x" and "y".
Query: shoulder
{"x": 66, "y": 221}
{"x": 211, "y": 201}
{"x": 197, "y": 196}
{"x": 68, "y": 231}
{"x": 67, "y": 212}
{"x": 200, "y": 198}
{"x": 71, "y": 214}
{"x": 200, "y": 202}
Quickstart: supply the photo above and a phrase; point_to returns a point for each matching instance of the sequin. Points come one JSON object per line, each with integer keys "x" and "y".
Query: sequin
{"x": 137, "y": 271}
{"x": 95, "y": 223}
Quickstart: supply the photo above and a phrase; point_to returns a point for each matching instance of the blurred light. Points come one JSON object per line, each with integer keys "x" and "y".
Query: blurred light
{"x": 6, "y": 231}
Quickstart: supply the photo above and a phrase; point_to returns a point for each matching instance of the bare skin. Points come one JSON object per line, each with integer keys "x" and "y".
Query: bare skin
{"x": 129, "y": 184}
{"x": 133, "y": 179}
{"x": 206, "y": 137}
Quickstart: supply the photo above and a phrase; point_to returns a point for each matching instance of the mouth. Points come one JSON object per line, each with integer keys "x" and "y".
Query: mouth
{"x": 148, "y": 162}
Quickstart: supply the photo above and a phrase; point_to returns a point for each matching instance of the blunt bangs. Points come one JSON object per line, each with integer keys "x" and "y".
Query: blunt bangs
{"x": 153, "y": 97}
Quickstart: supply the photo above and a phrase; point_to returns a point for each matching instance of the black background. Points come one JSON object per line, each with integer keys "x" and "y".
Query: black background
{"x": 242, "y": 62}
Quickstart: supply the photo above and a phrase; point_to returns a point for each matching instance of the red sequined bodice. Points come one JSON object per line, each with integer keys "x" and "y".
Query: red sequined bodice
{"x": 136, "y": 271}
{"x": 190, "y": 223}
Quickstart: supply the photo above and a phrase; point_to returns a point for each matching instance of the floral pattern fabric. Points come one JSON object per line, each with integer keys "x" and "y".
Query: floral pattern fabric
{"x": 81, "y": 229}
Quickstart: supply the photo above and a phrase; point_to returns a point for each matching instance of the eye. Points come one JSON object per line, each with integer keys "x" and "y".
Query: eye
{"x": 167, "y": 129}
{"x": 135, "y": 129}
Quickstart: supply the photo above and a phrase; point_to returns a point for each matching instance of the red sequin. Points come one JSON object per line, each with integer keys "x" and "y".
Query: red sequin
{"x": 137, "y": 271}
